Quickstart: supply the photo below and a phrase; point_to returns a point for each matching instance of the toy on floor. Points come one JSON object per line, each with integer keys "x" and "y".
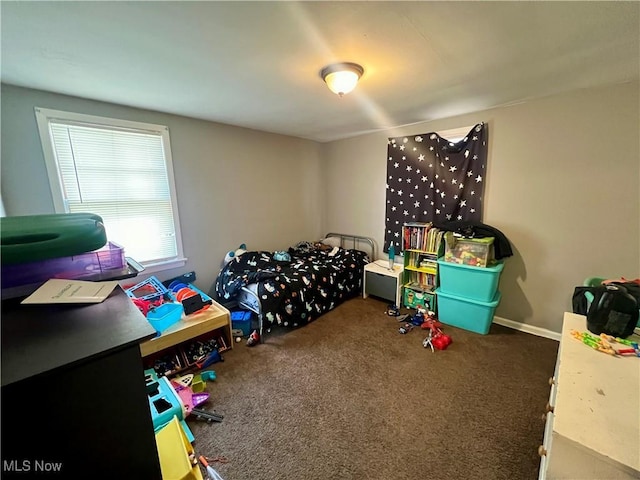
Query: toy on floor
{"x": 428, "y": 342}
{"x": 175, "y": 398}
{"x": 191, "y": 400}
{"x": 210, "y": 359}
{"x": 208, "y": 375}
{"x": 436, "y": 337}
{"x": 421, "y": 315}
{"x": 418, "y": 318}
{"x": 212, "y": 474}
{"x": 406, "y": 328}
{"x": 185, "y": 380}
{"x": 253, "y": 339}
{"x": 165, "y": 403}
{"x": 392, "y": 310}
{"x": 441, "y": 341}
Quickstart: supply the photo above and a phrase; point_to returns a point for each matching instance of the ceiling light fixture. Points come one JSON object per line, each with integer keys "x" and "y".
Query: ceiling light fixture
{"x": 343, "y": 77}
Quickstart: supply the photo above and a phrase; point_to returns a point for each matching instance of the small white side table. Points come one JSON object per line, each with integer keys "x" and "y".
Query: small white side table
{"x": 382, "y": 282}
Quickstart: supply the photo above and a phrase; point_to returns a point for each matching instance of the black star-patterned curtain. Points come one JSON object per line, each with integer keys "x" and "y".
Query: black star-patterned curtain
{"x": 432, "y": 179}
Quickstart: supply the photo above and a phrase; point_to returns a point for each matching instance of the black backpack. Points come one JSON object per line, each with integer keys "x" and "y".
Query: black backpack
{"x": 614, "y": 310}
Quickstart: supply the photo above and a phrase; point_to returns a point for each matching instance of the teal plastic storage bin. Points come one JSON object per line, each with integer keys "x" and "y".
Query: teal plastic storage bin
{"x": 464, "y": 313}
{"x": 165, "y": 315}
{"x": 474, "y": 283}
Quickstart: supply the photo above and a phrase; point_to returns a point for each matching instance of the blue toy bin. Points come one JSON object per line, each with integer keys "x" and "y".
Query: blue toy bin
{"x": 467, "y": 314}
{"x": 479, "y": 284}
{"x": 165, "y": 315}
{"x": 241, "y": 320}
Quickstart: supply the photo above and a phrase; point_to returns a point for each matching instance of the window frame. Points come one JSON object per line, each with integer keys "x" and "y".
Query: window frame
{"x": 44, "y": 117}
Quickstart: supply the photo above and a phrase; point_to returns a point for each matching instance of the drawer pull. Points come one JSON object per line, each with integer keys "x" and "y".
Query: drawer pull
{"x": 551, "y": 381}
{"x": 548, "y": 407}
{"x": 542, "y": 451}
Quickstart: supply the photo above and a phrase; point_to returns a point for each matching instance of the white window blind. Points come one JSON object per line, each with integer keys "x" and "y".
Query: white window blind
{"x": 119, "y": 172}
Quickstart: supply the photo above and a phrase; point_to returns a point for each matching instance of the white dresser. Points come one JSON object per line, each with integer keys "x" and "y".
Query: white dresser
{"x": 592, "y": 428}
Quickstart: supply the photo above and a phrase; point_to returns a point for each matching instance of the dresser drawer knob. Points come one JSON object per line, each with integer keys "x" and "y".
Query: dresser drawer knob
{"x": 548, "y": 407}
{"x": 542, "y": 451}
{"x": 551, "y": 381}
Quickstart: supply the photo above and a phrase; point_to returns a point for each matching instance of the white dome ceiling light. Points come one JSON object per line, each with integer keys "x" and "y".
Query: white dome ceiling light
{"x": 342, "y": 77}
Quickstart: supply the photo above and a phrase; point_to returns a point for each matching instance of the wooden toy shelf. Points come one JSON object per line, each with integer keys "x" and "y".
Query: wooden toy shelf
{"x": 214, "y": 318}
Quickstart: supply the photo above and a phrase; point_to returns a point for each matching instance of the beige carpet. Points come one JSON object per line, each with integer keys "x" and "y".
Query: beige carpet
{"x": 348, "y": 397}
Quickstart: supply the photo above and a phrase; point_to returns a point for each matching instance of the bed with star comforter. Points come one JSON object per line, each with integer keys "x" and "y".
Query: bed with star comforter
{"x": 292, "y": 293}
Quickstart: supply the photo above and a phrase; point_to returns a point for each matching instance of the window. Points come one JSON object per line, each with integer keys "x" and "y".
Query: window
{"x": 120, "y": 170}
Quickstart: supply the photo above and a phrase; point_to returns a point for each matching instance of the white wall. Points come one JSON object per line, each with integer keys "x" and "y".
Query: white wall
{"x": 234, "y": 185}
{"x": 563, "y": 185}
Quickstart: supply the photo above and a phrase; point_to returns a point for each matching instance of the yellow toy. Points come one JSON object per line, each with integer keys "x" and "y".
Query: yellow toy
{"x": 597, "y": 343}
{"x": 604, "y": 343}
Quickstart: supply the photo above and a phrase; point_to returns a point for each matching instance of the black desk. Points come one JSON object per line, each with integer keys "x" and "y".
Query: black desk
{"x": 73, "y": 392}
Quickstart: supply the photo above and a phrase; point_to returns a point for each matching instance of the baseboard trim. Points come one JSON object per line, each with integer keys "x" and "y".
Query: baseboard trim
{"x": 523, "y": 327}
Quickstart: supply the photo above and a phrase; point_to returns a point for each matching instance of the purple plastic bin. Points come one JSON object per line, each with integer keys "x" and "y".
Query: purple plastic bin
{"x": 108, "y": 259}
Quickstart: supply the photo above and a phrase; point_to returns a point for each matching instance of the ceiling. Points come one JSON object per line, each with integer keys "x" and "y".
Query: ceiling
{"x": 256, "y": 64}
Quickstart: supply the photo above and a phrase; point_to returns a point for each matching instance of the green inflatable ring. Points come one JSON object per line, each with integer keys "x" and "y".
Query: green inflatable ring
{"x": 32, "y": 238}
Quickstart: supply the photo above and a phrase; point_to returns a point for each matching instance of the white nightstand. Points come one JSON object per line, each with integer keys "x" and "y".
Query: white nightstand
{"x": 382, "y": 282}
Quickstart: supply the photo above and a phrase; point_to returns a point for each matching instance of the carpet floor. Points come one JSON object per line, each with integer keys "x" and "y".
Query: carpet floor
{"x": 349, "y": 397}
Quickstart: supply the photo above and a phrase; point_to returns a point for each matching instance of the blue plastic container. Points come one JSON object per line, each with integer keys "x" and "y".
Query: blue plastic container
{"x": 164, "y": 403}
{"x": 241, "y": 320}
{"x": 473, "y": 283}
{"x": 165, "y": 315}
{"x": 467, "y": 314}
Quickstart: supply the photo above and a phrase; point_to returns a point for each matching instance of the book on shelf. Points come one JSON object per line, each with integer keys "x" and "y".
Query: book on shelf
{"x": 421, "y": 236}
{"x": 420, "y": 286}
{"x": 421, "y": 278}
{"x": 414, "y": 235}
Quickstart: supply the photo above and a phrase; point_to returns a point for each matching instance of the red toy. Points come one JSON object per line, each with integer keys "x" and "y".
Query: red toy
{"x": 441, "y": 341}
{"x": 145, "y": 305}
{"x": 437, "y": 338}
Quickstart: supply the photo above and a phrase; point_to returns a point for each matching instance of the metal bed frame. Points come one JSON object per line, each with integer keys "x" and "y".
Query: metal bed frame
{"x": 250, "y": 301}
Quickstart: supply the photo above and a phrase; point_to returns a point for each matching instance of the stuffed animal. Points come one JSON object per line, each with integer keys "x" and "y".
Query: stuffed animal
{"x": 281, "y": 256}
{"x": 235, "y": 253}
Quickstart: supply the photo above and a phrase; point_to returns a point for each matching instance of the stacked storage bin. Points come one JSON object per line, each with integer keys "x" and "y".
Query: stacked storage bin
{"x": 241, "y": 320}
{"x": 468, "y": 294}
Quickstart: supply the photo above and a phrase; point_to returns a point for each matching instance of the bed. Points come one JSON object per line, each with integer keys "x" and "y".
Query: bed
{"x": 290, "y": 293}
